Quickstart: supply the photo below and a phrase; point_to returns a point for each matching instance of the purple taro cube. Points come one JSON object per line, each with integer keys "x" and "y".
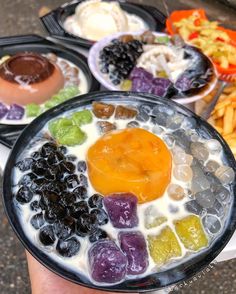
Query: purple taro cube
{"x": 141, "y": 73}
{"x": 16, "y": 112}
{"x": 134, "y": 247}
{"x": 107, "y": 262}
{"x": 3, "y": 110}
{"x": 183, "y": 83}
{"x": 159, "y": 91}
{"x": 140, "y": 85}
{"x": 122, "y": 210}
{"x": 160, "y": 86}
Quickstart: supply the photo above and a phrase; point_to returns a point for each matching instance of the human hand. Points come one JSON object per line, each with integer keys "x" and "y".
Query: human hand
{"x": 44, "y": 281}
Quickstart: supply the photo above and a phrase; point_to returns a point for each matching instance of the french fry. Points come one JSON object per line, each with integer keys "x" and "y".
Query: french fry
{"x": 232, "y": 95}
{"x": 234, "y": 120}
{"x": 230, "y": 136}
{"x": 228, "y": 120}
{"x": 222, "y": 104}
{"x": 231, "y": 143}
{"x": 211, "y": 121}
{"x": 230, "y": 89}
{"x": 219, "y": 130}
{"x": 223, "y": 117}
{"x": 220, "y": 112}
{"x": 219, "y": 123}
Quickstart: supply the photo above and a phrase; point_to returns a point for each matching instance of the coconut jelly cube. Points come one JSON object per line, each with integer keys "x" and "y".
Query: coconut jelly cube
{"x": 191, "y": 233}
{"x": 164, "y": 246}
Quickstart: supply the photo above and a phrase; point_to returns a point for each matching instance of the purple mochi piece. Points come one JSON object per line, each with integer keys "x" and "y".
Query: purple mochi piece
{"x": 134, "y": 247}
{"x": 107, "y": 262}
{"x": 139, "y": 72}
{"x": 3, "y": 110}
{"x": 122, "y": 209}
{"x": 183, "y": 83}
{"x": 16, "y": 112}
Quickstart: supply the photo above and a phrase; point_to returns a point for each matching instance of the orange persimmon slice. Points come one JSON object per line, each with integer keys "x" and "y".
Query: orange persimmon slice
{"x": 130, "y": 160}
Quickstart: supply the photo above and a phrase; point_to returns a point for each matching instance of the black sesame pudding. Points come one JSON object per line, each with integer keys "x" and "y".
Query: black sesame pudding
{"x": 117, "y": 191}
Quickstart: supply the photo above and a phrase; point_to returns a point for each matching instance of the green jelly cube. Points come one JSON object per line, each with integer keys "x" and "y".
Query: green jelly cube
{"x": 163, "y": 39}
{"x": 59, "y": 126}
{"x": 73, "y": 136}
{"x": 164, "y": 246}
{"x": 51, "y": 103}
{"x": 69, "y": 92}
{"x": 191, "y": 233}
{"x": 82, "y": 117}
{"x": 32, "y": 110}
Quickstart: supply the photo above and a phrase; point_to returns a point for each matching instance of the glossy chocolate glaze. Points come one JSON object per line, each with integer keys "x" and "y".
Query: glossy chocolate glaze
{"x": 29, "y": 68}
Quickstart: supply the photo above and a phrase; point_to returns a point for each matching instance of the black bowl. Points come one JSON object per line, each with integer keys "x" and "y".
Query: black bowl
{"x": 34, "y": 43}
{"x": 54, "y": 21}
{"x": 149, "y": 283}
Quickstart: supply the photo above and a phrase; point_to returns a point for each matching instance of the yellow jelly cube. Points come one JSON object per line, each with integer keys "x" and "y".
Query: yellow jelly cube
{"x": 164, "y": 246}
{"x": 191, "y": 233}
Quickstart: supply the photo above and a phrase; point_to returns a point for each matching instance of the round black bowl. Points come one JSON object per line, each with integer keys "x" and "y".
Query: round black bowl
{"x": 14, "y": 45}
{"x": 59, "y": 15}
{"x": 47, "y": 47}
{"x": 148, "y": 283}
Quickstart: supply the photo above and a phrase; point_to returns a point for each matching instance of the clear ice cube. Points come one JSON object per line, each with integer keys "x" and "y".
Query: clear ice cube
{"x": 142, "y": 116}
{"x": 199, "y": 151}
{"x": 225, "y": 174}
{"x": 182, "y": 158}
{"x": 193, "y": 207}
{"x": 205, "y": 198}
{"x": 212, "y": 166}
{"x": 175, "y": 122}
{"x": 175, "y": 192}
{"x": 145, "y": 108}
{"x": 173, "y": 209}
{"x": 211, "y": 224}
{"x": 160, "y": 119}
{"x": 157, "y": 130}
{"x": 162, "y": 109}
{"x": 153, "y": 217}
{"x": 169, "y": 140}
{"x": 183, "y": 173}
{"x": 217, "y": 209}
{"x": 182, "y": 140}
{"x": 189, "y": 123}
{"x": 107, "y": 262}
{"x": 223, "y": 195}
{"x": 133, "y": 124}
{"x": 134, "y": 246}
{"x": 213, "y": 146}
{"x": 199, "y": 181}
